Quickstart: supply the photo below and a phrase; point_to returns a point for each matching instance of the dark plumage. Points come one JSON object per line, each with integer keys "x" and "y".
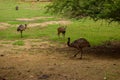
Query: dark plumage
{"x": 62, "y": 30}
{"x": 16, "y": 8}
{"x": 79, "y": 44}
{"x": 21, "y": 28}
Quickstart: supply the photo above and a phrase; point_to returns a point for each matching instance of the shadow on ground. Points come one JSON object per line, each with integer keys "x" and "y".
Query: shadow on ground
{"x": 104, "y": 51}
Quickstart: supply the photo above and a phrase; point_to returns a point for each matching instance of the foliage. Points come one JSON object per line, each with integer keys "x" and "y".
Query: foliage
{"x": 96, "y": 9}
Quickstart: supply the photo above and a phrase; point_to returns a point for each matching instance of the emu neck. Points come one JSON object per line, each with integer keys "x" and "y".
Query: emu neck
{"x": 68, "y": 43}
{"x": 25, "y": 26}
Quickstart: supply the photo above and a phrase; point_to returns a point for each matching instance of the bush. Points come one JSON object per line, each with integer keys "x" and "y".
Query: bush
{"x": 96, "y": 9}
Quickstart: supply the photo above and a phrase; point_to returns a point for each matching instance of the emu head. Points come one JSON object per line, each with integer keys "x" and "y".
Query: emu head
{"x": 68, "y": 38}
{"x": 25, "y": 26}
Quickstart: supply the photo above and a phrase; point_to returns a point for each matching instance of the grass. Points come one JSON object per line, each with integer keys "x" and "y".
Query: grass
{"x": 19, "y": 43}
{"x": 8, "y": 12}
{"x": 95, "y": 32}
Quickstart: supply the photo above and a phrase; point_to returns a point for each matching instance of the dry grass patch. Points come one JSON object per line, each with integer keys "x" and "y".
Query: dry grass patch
{"x": 4, "y": 25}
{"x": 32, "y": 19}
{"x": 43, "y": 24}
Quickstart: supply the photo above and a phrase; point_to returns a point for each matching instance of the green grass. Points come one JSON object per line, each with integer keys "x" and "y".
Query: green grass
{"x": 95, "y": 32}
{"x": 19, "y": 43}
{"x": 8, "y": 12}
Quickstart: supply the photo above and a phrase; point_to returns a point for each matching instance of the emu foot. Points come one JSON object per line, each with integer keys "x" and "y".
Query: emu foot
{"x": 75, "y": 55}
{"x": 72, "y": 57}
{"x": 80, "y": 58}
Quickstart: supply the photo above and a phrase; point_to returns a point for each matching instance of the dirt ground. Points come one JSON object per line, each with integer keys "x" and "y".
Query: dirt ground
{"x": 40, "y": 59}
{"x": 44, "y": 60}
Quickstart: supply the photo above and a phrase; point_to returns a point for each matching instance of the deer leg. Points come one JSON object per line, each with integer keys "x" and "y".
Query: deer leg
{"x": 59, "y": 34}
{"x": 63, "y": 35}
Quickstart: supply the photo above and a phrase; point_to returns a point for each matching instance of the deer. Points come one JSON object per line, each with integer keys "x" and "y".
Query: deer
{"x": 61, "y": 29}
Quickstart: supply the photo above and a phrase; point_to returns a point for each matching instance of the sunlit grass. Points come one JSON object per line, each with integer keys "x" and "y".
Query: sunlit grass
{"x": 26, "y": 10}
{"x": 95, "y": 32}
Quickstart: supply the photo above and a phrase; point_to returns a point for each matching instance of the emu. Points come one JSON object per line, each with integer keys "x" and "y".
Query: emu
{"x": 79, "y": 44}
{"x": 21, "y": 28}
{"x": 61, "y": 29}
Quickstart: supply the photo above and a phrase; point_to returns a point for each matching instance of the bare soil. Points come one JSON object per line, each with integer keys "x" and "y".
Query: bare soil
{"x": 4, "y": 25}
{"x": 44, "y": 60}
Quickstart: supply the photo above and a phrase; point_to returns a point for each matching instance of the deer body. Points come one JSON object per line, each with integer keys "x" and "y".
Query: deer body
{"x": 62, "y": 30}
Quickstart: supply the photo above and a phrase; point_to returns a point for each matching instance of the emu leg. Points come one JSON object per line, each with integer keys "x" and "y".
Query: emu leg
{"x": 76, "y": 53}
{"x": 80, "y": 51}
{"x": 81, "y": 54}
{"x": 21, "y": 34}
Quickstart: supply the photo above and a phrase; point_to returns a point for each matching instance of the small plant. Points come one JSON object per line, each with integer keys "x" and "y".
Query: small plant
{"x": 19, "y": 43}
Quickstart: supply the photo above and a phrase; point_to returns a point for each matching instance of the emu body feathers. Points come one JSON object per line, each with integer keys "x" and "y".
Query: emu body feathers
{"x": 21, "y": 28}
{"x": 79, "y": 44}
